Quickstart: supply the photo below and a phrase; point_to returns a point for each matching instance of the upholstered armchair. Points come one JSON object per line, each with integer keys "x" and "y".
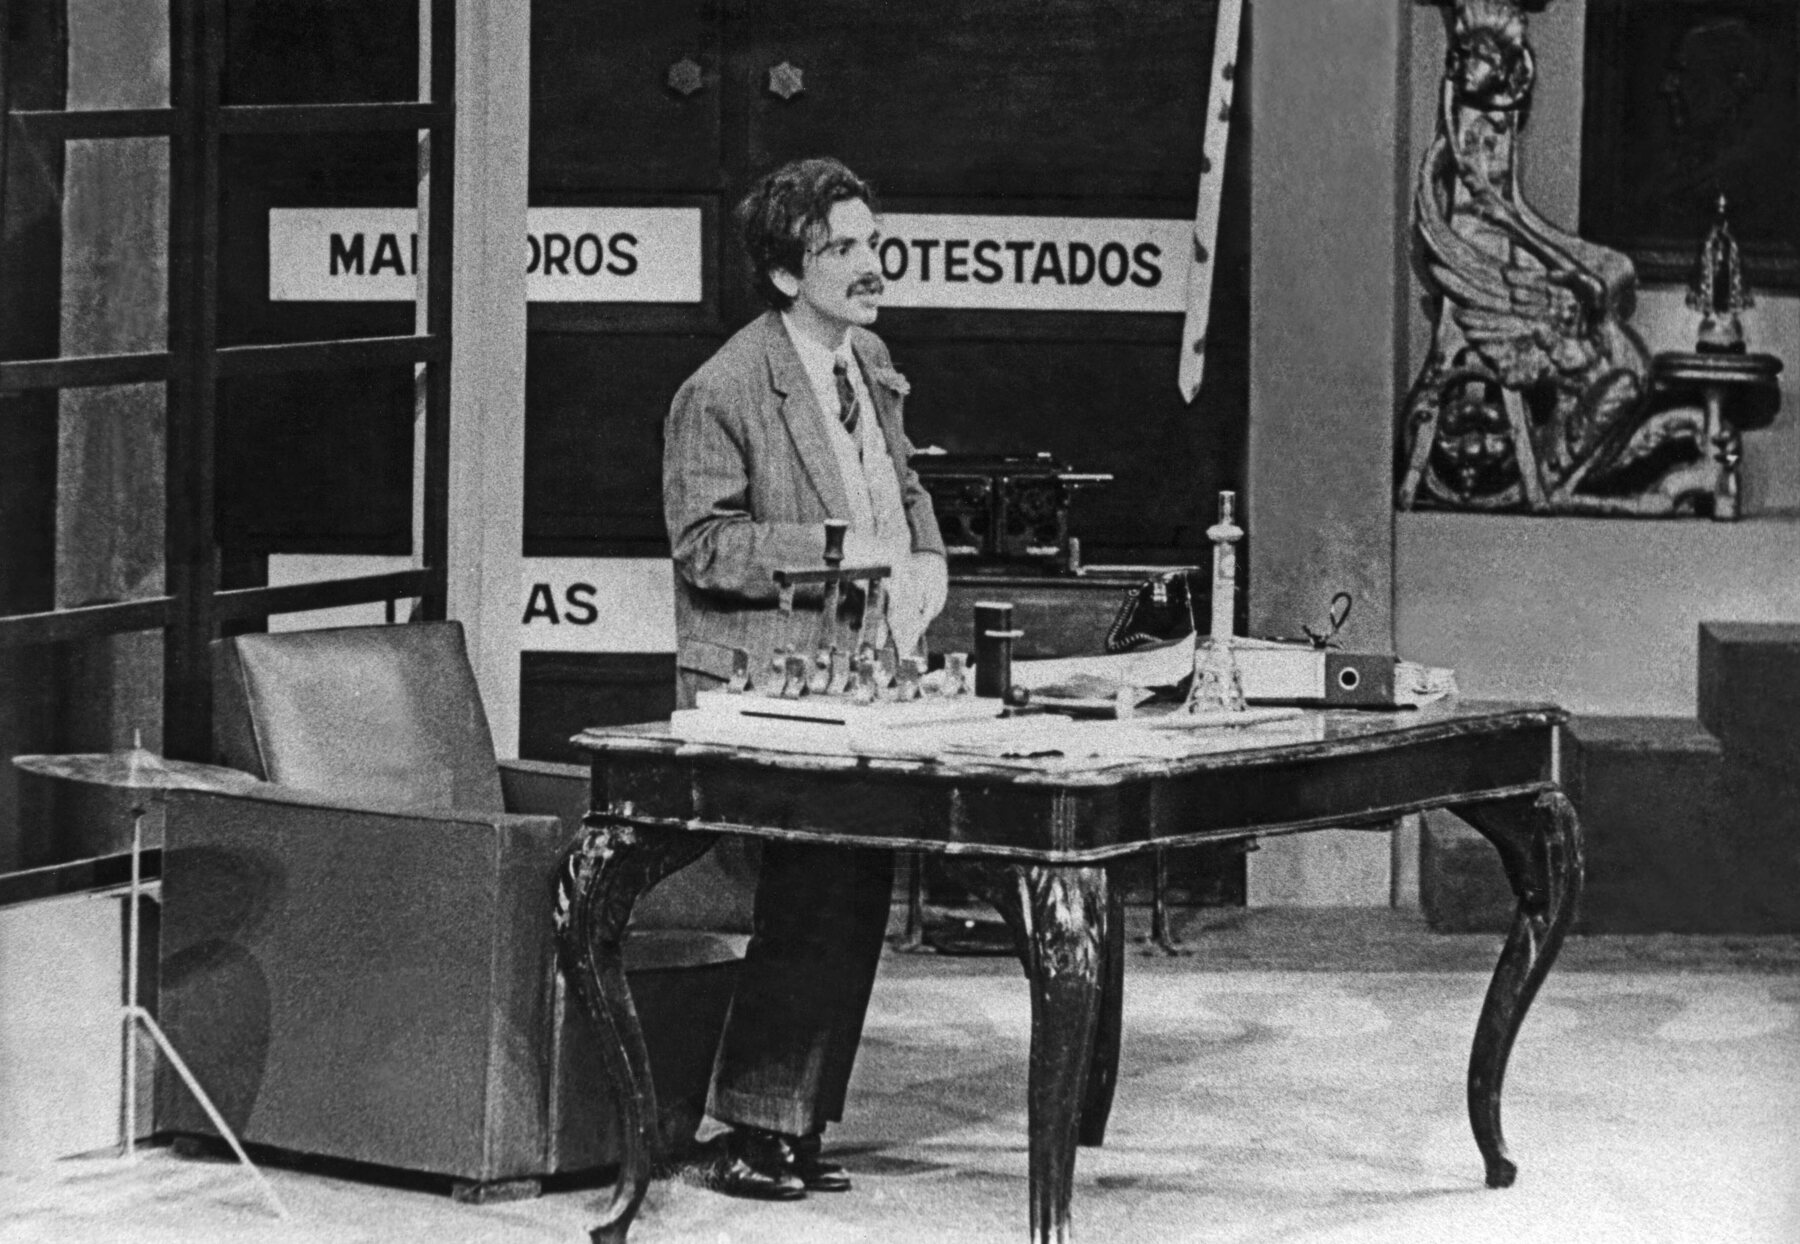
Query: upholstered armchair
{"x": 357, "y": 956}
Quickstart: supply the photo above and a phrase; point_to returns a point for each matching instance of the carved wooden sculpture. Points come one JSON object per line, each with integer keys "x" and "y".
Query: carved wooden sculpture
{"x": 1536, "y": 393}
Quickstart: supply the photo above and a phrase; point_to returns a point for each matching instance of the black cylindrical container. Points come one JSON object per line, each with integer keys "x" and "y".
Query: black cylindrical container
{"x": 993, "y": 648}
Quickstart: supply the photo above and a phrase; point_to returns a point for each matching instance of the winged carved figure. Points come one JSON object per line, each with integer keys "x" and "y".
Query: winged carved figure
{"x": 1536, "y": 391}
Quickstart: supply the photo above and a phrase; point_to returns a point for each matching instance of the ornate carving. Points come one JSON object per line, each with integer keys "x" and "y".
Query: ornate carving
{"x": 686, "y": 77}
{"x": 601, "y": 875}
{"x": 1065, "y": 923}
{"x": 1536, "y": 392}
{"x": 787, "y": 80}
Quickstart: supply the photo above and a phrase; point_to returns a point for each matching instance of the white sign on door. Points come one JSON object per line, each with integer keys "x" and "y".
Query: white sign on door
{"x": 598, "y": 604}
{"x": 653, "y": 255}
{"x": 572, "y": 254}
{"x": 1034, "y": 263}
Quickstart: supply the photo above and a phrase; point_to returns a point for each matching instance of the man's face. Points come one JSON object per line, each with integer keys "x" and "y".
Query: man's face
{"x": 840, "y": 280}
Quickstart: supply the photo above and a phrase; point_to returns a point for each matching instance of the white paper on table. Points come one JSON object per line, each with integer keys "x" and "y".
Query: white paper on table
{"x": 1162, "y": 665}
{"x": 791, "y": 735}
{"x": 1140, "y": 738}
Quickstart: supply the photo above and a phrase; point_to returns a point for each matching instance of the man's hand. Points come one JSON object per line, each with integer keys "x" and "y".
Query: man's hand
{"x": 863, "y": 549}
{"x": 916, "y": 595}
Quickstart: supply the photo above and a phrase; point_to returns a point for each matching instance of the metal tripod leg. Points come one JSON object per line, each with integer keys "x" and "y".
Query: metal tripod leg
{"x": 912, "y": 941}
{"x": 1160, "y": 937}
{"x": 136, "y": 1014}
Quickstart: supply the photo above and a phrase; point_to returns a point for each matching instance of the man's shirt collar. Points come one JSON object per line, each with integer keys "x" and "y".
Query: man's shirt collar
{"x": 817, "y": 360}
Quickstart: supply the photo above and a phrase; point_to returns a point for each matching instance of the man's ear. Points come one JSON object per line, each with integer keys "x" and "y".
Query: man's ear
{"x": 784, "y": 281}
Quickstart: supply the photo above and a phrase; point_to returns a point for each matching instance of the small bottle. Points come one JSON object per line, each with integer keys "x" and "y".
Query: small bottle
{"x": 994, "y": 635}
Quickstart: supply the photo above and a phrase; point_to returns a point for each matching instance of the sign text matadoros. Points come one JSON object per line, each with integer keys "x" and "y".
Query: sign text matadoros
{"x": 572, "y": 254}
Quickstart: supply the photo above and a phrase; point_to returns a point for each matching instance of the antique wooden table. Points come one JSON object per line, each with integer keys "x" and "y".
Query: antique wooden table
{"x": 1038, "y": 837}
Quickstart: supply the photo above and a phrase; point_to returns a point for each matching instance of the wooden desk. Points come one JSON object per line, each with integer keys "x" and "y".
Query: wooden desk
{"x": 1037, "y": 838}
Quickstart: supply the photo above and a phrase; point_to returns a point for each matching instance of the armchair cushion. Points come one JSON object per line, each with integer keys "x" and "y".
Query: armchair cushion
{"x": 389, "y": 713}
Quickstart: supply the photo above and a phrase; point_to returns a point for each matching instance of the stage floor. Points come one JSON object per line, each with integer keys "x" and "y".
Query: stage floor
{"x": 1298, "y": 1078}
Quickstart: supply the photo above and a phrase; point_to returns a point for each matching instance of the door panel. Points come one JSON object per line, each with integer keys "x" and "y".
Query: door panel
{"x": 603, "y": 113}
{"x": 997, "y": 98}
{"x": 595, "y": 407}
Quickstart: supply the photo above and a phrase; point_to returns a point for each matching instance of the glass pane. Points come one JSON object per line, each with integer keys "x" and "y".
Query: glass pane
{"x": 115, "y": 251}
{"x": 118, "y": 54}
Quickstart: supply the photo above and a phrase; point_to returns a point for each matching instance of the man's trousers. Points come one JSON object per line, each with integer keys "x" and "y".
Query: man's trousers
{"x": 797, "y": 1015}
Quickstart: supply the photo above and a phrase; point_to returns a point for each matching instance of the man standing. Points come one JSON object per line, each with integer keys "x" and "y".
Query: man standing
{"x": 795, "y": 420}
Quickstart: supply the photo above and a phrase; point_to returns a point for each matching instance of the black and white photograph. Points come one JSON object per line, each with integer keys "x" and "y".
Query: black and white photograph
{"x": 850, "y": 621}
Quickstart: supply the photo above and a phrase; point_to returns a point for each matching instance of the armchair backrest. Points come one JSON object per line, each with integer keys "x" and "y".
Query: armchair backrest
{"x": 389, "y": 713}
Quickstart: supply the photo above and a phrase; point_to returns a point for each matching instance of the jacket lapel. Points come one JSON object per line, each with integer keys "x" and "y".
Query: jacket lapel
{"x": 887, "y": 402}
{"x": 800, "y": 411}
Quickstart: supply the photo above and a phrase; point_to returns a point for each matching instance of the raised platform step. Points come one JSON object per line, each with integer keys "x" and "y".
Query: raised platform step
{"x": 1680, "y": 839}
{"x": 1749, "y": 692}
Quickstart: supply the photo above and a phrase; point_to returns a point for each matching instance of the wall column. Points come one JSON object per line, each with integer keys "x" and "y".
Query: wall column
{"x": 487, "y": 372}
{"x": 1328, "y": 238}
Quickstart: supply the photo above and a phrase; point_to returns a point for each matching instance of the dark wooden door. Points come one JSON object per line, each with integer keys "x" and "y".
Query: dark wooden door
{"x": 1071, "y": 108}
{"x": 609, "y": 128}
{"x": 1001, "y": 99}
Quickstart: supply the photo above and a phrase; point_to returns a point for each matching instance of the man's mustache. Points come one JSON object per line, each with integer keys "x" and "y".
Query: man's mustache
{"x": 867, "y": 285}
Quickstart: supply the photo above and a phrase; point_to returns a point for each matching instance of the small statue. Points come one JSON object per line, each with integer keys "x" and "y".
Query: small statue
{"x": 1217, "y": 685}
{"x": 1718, "y": 291}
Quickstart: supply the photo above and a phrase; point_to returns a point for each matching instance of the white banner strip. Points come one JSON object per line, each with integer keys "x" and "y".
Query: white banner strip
{"x": 1203, "y": 249}
{"x": 653, "y": 255}
{"x": 572, "y": 254}
{"x": 597, "y": 604}
{"x": 1033, "y": 263}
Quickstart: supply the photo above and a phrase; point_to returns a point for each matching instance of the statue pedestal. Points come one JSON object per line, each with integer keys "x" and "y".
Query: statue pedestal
{"x": 1739, "y": 394}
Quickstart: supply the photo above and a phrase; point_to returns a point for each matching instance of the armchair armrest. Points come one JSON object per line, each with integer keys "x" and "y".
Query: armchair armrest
{"x": 547, "y": 789}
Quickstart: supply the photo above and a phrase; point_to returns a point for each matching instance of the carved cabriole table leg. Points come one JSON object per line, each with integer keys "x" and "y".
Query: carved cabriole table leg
{"x": 1103, "y": 1068}
{"x": 601, "y": 877}
{"x": 1064, "y": 922}
{"x": 1539, "y": 840}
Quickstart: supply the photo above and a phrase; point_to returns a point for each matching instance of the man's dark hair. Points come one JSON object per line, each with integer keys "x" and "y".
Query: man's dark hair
{"x": 777, "y": 218}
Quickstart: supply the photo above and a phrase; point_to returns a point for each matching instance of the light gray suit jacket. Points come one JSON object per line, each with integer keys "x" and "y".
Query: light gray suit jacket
{"x": 749, "y": 479}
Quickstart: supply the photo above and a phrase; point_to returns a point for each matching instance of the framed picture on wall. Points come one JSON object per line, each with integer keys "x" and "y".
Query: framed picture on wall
{"x": 1687, "y": 100}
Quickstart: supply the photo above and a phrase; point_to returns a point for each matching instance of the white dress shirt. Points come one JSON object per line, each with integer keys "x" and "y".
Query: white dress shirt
{"x": 864, "y": 464}
{"x": 878, "y": 530}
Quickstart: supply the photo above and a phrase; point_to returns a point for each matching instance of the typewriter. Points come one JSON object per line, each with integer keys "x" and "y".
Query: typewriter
{"x": 1005, "y": 514}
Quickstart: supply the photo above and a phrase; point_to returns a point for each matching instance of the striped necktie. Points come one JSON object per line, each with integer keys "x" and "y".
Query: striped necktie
{"x": 847, "y": 405}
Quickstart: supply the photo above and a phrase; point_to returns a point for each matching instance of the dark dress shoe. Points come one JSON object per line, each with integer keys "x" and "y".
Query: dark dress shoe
{"x": 758, "y": 1165}
{"x": 817, "y": 1174}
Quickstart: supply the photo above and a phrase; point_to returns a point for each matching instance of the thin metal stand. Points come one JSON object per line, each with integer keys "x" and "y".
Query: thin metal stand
{"x": 136, "y": 1014}
{"x": 912, "y": 940}
{"x": 1162, "y": 937}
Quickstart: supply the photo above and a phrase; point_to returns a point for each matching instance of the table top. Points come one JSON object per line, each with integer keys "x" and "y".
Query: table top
{"x": 1326, "y": 768}
{"x": 1313, "y": 734}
